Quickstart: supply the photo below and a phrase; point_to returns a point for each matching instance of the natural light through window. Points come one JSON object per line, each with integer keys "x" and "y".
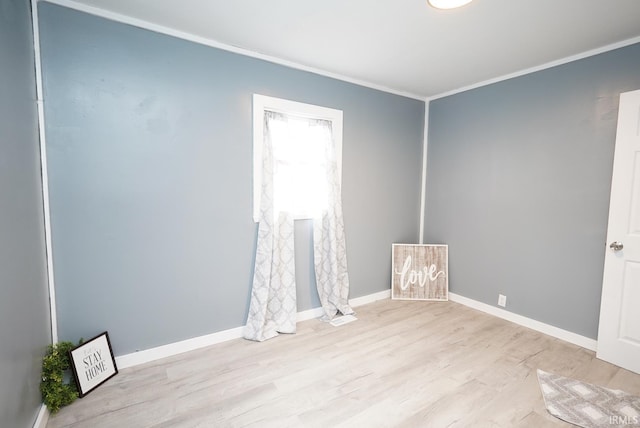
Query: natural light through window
{"x": 300, "y": 185}
{"x": 303, "y": 137}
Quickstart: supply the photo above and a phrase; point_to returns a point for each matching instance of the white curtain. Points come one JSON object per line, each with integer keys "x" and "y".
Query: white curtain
{"x": 329, "y": 243}
{"x": 273, "y": 297}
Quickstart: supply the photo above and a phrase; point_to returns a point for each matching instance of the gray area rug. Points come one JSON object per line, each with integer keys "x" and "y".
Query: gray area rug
{"x": 588, "y": 405}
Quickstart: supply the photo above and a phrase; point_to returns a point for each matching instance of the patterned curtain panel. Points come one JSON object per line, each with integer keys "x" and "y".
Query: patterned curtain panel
{"x": 273, "y": 296}
{"x": 329, "y": 244}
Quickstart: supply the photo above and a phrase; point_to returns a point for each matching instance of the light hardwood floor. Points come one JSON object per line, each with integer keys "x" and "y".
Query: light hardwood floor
{"x": 402, "y": 364}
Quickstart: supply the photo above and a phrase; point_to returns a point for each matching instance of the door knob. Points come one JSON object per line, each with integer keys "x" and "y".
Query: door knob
{"x": 616, "y": 246}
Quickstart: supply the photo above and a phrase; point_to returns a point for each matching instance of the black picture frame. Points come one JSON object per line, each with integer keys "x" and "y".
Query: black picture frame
{"x": 93, "y": 363}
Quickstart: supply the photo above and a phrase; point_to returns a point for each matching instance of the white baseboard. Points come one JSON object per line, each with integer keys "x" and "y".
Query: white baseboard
{"x": 359, "y": 301}
{"x": 152, "y": 354}
{"x": 550, "y": 330}
{"x": 42, "y": 418}
{"x": 309, "y": 314}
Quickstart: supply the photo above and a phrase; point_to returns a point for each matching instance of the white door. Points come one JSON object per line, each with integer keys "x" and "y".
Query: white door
{"x": 619, "y": 331}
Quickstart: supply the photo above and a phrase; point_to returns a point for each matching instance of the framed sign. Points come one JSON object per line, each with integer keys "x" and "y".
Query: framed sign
{"x": 420, "y": 272}
{"x": 93, "y": 363}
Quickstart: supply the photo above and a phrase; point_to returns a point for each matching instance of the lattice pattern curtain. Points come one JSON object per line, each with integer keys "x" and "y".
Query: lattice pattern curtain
{"x": 273, "y": 299}
{"x": 329, "y": 244}
{"x": 273, "y": 295}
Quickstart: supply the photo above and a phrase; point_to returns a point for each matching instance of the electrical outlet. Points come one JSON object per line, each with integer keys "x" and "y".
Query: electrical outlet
{"x": 502, "y": 300}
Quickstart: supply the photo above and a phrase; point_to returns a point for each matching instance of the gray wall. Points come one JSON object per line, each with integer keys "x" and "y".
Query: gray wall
{"x": 150, "y": 158}
{"x": 518, "y": 184}
{"x": 24, "y": 315}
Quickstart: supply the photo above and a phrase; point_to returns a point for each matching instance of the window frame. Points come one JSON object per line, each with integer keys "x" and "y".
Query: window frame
{"x": 262, "y": 103}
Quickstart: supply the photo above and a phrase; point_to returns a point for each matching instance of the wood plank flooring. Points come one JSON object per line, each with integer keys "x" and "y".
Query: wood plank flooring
{"x": 402, "y": 364}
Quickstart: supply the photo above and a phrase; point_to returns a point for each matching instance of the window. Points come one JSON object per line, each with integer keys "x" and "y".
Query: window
{"x": 301, "y": 135}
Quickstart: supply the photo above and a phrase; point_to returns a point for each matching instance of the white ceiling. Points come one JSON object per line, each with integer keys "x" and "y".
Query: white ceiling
{"x": 403, "y": 45}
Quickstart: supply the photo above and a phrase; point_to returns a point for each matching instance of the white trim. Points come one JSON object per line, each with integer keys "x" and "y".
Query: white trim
{"x": 370, "y": 298}
{"x": 164, "y": 351}
{"x": 541, "y": 327}
{"x": 215, "y": 44}
{"x": 43, "y": 414}
{"x": 136, "y": 22}
{"x": 423, "y": 190}
{"x": 355, "y": 302}
{"x": 309, "y": 314}
{"x": 262, "y": 103}
{"x": 44, "y": 173}
{"x": 43, "y": 417}
{"x": 175, "y": 348}
{"x": 171, "y": 349}
{"x": 530, "y": 70}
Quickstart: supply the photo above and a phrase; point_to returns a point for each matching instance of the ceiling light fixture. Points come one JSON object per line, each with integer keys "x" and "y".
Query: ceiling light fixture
{"x": 448, "y": 4}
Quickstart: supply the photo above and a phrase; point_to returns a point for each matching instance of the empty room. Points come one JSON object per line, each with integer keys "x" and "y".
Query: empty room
{"x": 417, "y": 213}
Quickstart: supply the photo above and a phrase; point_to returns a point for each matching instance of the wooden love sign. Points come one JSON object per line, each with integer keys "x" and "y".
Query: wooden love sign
{"x": 420, "y": 272}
